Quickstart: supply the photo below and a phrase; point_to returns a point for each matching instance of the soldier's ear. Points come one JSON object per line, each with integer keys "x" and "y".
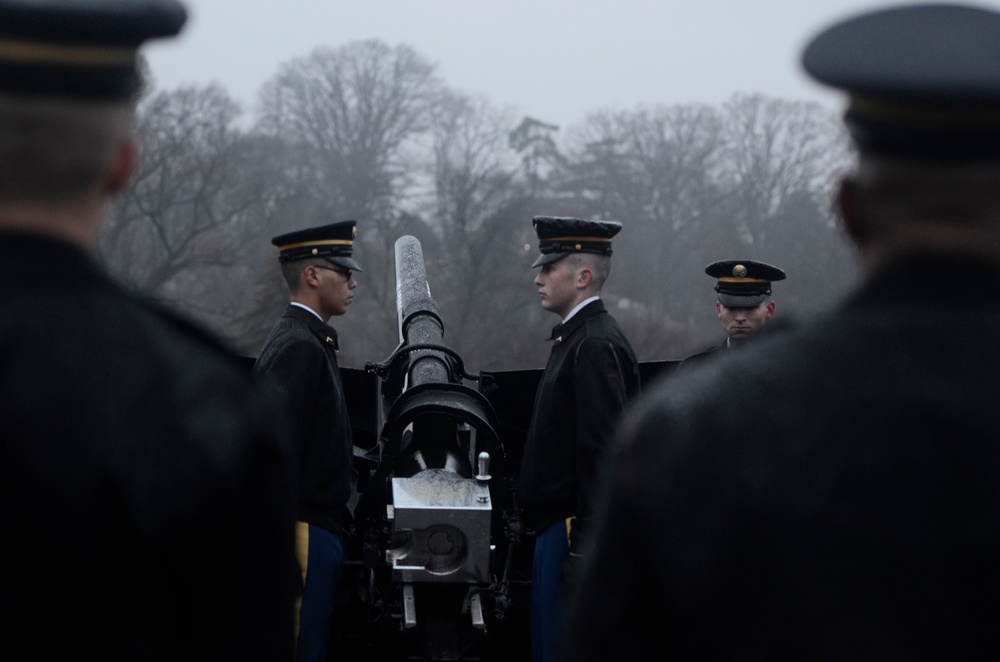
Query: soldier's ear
{"x": 122, "y": 164}
{"x": 584, "y": 276}
{"x": 850, "y": 208}
{"x": 309, "y": 275}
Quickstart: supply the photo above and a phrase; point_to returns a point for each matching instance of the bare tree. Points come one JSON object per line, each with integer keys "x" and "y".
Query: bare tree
{"x": 653, "y": 170}
{"x": 200, "y": 194}
{"x": 480, "y": 211}
{"x": 775, "y": 149}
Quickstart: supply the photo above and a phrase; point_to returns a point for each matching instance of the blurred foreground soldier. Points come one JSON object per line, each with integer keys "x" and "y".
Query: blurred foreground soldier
{"x": 840, "y": 504}
{"x": 591, "y": 373}
{"x": 744, "y": 300}
{"x": 300, "y": 358}
{"x": 146, "y": 503}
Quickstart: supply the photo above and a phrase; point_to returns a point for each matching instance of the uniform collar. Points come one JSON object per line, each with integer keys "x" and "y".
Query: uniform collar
{"x": 305, "y": 307}
{"x": 580, "y": 306}
{"x": 576, "y": 319}
{"x": 326, "y": 333}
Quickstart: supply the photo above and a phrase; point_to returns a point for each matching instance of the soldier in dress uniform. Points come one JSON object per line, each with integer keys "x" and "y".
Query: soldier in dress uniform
{"x": 743, "y": 300}
{"x": 299, "y": 358}
{"x": 839, "y": 504}
{"x": 145, "y": 496}
{"x": 591, "y": 374}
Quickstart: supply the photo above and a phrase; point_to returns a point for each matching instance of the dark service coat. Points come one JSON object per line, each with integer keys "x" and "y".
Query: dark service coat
{"x": 837, "y": 504}
{"x": 591, "y": 374}
{"x": 300, "y": 359}
{"x": 145, "y": 497}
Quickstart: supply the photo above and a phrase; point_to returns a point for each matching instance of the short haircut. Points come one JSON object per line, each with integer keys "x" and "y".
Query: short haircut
{"x": 600, "y": 265}
{"x": 58, "y": 150}
{"x": 967, "y": 194}
{"x": 292, "y": 273}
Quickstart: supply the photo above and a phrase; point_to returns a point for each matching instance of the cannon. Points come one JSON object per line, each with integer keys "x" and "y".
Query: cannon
{"x": 439, "y": 567}
{"x": 437, "y": 571}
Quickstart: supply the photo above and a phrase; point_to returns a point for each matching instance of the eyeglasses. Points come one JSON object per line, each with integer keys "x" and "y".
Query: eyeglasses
{"x": 347, "y": 273}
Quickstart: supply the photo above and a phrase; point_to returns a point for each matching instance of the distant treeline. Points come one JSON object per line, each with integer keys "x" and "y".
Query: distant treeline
{"x": 370, "y": 132}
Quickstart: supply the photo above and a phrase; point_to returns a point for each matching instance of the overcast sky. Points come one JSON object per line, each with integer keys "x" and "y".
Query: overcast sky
{"x": 552, "y": 59}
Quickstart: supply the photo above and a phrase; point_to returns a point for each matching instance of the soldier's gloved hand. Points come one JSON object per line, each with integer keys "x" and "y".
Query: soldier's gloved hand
{"x": 571, "y": 569}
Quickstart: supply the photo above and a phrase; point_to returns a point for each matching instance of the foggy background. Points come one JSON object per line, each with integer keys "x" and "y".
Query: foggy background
{"x": 377, "y": 131}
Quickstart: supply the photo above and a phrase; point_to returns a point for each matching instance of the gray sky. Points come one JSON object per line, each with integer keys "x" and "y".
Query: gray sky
{"x": 552, "y": 59}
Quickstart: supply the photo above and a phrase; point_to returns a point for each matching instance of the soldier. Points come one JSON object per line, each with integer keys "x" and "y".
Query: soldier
{"x": 146, "y": 502}
{"x": 299, "y": 357}
{"x": 744, "y": 303}
{"x": 590, "y": 375}
{"x": 839, "y": 503}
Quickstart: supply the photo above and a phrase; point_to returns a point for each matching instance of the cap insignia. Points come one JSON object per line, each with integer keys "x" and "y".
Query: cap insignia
{"x": 739, "y": 271}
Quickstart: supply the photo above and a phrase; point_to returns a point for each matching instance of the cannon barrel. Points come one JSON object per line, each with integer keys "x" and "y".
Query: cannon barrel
{"x": 424, "y": 393}
{"x": 419, "y": 319}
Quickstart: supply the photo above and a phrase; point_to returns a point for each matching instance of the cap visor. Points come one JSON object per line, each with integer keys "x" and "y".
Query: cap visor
{"x": 345, "y": 262}
{"x": 547, "y": 258}
{"x": 734, "y": 301}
